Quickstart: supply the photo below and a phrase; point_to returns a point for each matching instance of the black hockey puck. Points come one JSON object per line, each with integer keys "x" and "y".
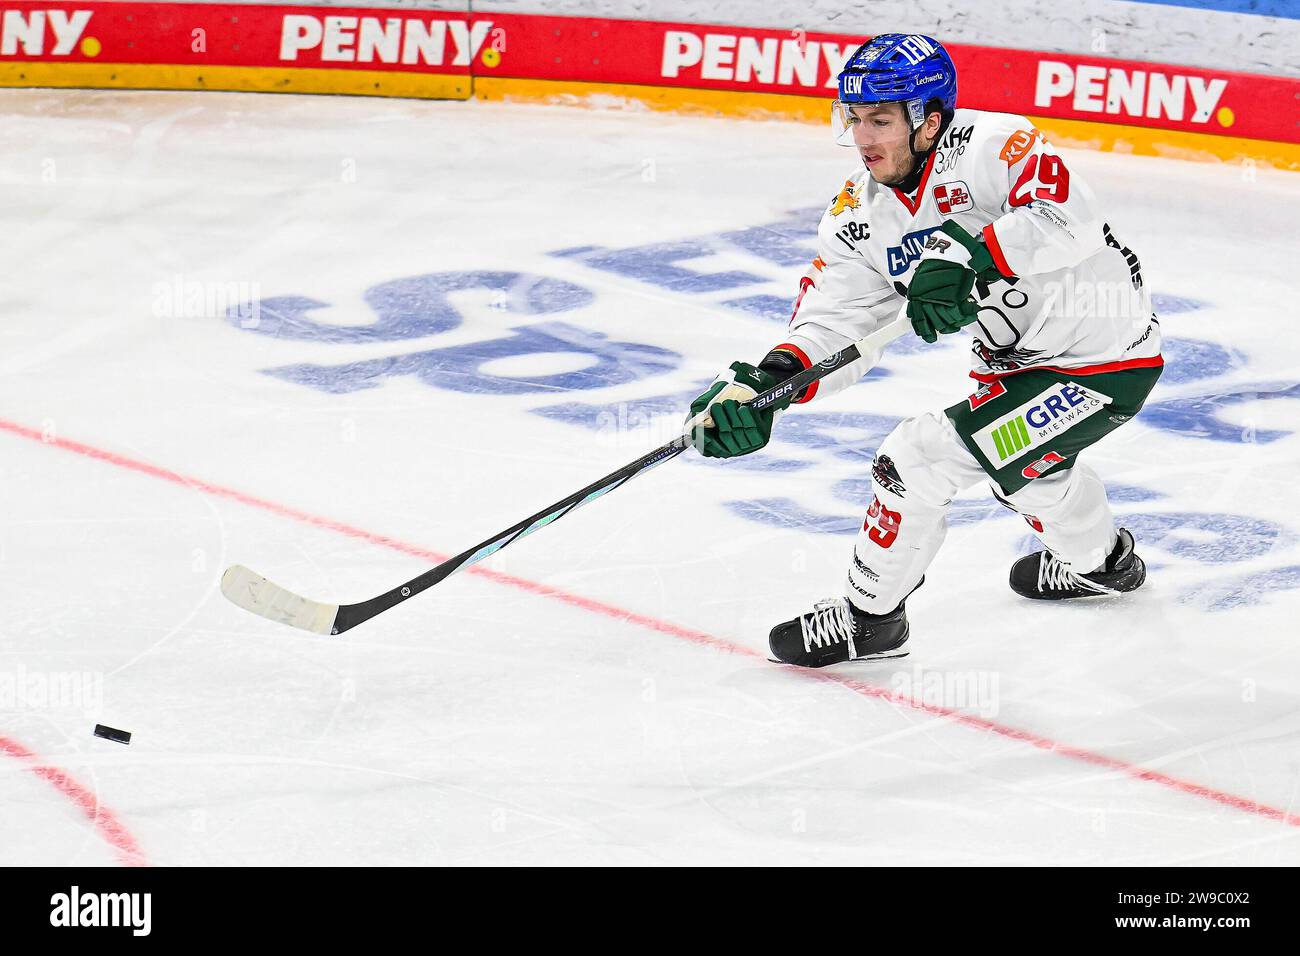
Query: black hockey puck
{"x": 113, "y": 734}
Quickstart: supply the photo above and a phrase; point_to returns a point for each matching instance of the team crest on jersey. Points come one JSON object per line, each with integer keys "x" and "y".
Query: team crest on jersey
{"x": 1042, "y": 419}
{"x": 953, "y": 197}
{"x": 907, "y": 251}
{"x": 1019, "y": 144}
{"x": 1007, "y": 358}
{"x": 847, "y": 198}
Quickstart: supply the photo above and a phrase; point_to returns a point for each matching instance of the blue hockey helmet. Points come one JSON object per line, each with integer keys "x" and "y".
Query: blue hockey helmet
{"x": 902, "y": 68}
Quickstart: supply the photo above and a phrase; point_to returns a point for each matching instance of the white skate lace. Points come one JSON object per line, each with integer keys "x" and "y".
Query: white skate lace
{"x": 831, "y": 621}
{"x": 1055, "y": 576}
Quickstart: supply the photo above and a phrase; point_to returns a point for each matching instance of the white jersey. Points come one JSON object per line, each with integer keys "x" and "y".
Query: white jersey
{"x": 1072, "y": 298}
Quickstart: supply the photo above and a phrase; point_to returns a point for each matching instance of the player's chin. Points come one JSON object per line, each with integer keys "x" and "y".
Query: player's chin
{"x": 878, "y": 169}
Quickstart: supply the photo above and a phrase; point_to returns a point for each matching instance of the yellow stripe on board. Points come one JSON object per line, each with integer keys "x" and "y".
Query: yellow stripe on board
{"x": 667, "y": 98}
{"x": 251, "y": 79}
{"x": 1109, "y": 137}
{"x": 1172, "y": 144}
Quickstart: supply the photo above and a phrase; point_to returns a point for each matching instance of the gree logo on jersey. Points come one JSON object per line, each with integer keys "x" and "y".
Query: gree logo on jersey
{"x": 1010, "y": 438}
{"x": 1041, "y": 419}
{"x": 901, "y": 256}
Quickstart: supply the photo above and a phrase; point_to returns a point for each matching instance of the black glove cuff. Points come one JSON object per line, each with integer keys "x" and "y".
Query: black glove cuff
{"x": 781, "y": 365}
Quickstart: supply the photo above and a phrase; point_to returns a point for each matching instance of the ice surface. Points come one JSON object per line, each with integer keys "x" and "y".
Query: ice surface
{"x": 467, "y": 311}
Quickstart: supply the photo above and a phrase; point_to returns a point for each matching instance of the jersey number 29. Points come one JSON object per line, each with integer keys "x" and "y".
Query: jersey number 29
{"x": 1048, "y": 173}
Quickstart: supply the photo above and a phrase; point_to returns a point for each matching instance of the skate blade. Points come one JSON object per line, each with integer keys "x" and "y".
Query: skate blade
{"x": 882, "y": 656}
{"x": 868, "y": 659}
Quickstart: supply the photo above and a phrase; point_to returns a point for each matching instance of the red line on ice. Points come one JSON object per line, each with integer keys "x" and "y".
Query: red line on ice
{"x": 110, "y": 828}
{"x": 1038, "y": 741}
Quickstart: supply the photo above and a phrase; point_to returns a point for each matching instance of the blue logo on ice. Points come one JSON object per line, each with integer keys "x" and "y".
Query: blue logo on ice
{"x": 908, "y": 251}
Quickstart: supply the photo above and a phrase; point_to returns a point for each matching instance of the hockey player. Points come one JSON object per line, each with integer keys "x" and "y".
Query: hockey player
{"x": 975, "y": 220}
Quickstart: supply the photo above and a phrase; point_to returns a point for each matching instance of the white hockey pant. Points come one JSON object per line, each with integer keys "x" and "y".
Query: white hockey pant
{"x": 907, "y": 519}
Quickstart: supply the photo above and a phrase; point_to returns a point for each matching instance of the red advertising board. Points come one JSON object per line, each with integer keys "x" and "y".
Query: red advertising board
{"x": 620, "y": 52}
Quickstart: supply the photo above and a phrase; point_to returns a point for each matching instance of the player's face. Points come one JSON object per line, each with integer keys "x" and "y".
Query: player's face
{"x": 881, "y": 135}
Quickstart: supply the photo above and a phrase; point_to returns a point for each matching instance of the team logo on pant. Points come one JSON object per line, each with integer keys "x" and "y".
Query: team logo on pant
{"x": 1035, "y": 469}
{"x": 953, "y": 197}
{"x": 886, "y": 474}
{"x": 863, "y": 569}
{"x": 1043, "y": 418}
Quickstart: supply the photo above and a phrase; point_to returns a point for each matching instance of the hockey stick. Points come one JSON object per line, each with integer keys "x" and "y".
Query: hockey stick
{"x": 255, "y": 593}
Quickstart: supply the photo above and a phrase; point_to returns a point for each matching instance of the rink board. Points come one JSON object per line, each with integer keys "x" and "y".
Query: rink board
{"x": 1097, "y": 102}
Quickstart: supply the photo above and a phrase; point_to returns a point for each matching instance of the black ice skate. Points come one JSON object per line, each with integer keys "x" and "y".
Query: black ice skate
{"x": 835, "y": 631}
{"x": 1042, "y": 577}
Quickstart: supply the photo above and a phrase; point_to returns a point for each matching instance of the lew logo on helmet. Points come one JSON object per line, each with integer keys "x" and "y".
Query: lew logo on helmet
{"x": 853, "y": 84}
{"x": 1043, "y": 418}
{"x": 916, "y": 48}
